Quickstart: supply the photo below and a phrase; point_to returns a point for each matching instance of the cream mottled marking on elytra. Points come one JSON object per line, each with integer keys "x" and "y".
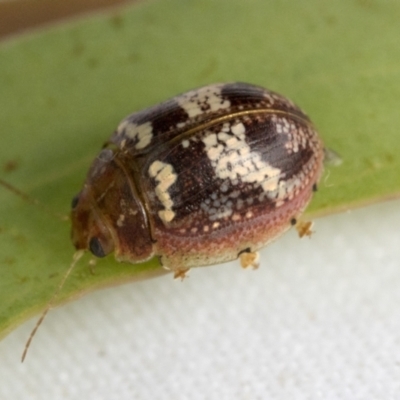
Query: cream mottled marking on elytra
{"x": 234, "y": 162}
{"x": 185, "y": 143}
{"x": 122, "y": 125}
{"x": 221, "y": 207}
{"x": 224, "y": 149}
{"x": 282, "y": 125}
{"x": 297, "y": 137}
{"x": 165, "y": 177}
{"x": 143, "y": 133}
{"x": 268, "y": 97}
{"x": 207, "y": 99}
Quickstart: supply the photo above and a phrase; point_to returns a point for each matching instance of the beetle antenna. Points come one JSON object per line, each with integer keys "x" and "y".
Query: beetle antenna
{"x": 76, "y": 257}
{"x": 31, "y": 200}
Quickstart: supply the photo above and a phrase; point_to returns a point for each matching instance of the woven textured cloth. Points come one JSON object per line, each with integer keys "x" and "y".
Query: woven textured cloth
{"x": 320, "y": 319}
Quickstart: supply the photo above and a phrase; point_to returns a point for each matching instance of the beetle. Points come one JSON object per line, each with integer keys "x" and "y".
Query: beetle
{"x": 205, "y": 177}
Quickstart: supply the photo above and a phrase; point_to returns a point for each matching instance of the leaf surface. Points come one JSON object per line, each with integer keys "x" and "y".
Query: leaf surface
{"x": 64, "y": 90}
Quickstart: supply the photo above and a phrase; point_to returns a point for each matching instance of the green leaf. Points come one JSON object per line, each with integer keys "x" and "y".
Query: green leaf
{"x": 64, "y": 90}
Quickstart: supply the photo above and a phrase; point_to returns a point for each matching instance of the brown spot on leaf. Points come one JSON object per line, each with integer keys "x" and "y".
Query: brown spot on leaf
{"x": 10, "y": 165}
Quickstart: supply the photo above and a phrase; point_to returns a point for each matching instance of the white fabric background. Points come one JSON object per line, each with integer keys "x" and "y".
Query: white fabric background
{"x": 319, "y": 320}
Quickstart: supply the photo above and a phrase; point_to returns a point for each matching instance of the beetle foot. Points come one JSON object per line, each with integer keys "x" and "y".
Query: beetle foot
{"x": 181, "y": 273}
{"x": 304, "y": 228}
{"x": 92, "y": 264}
{"x": 249, "y": 259}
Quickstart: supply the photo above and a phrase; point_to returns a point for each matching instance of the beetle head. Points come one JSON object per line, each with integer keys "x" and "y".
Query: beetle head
{"x": 90, "y": 229}
{"x": 108, "y": 215}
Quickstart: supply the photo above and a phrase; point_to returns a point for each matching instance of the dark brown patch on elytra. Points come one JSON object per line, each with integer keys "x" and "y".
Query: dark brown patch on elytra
{"x": 245, "y": 96}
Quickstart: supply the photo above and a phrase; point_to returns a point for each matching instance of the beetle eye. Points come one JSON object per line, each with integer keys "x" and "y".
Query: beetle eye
{"x": 96, "y": 248}
{"x": 75, "y": 201}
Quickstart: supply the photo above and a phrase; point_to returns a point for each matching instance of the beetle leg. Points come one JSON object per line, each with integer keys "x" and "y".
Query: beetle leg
{"x": 181, "y": 273}
{"x": 249, "y": 259}
{"x": 304, "y": 228}
{"x": 92, "y": 263}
